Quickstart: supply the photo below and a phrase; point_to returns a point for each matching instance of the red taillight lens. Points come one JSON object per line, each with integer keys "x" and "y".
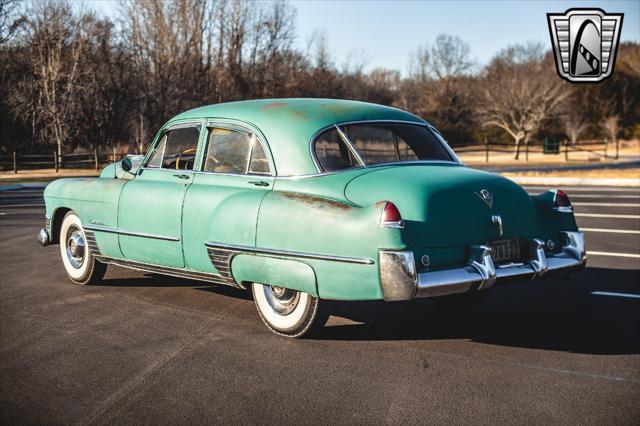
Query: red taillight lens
{"x": 391, "y": 216}
{"x": 561, "y": 200}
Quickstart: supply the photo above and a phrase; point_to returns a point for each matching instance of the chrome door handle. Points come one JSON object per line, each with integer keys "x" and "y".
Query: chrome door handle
{"x": 182, "y": 176}
{"x": 259, "y": 182}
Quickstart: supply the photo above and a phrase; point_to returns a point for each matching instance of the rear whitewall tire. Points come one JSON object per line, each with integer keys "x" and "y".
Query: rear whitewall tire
{"x": 79, "y": 264}
{"x": 299, "y": 314}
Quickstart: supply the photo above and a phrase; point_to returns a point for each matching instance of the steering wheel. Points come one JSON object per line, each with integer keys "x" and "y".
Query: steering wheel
{"x": 185, "y": 152}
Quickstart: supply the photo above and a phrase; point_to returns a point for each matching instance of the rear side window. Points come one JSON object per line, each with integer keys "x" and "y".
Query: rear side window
{"x": 380, "y": 145}
{"x": 176, "y": 149}
{"x": 231, "y": 151}
{"x": 332, "y": 153}
{"x": 388, "y": 143}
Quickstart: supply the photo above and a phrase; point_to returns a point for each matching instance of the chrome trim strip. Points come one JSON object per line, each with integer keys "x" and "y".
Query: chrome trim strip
{"x": 90, "y": 238}
{"x": 176, "y": 272}
{"x": 349, "y": 144}
{"x": 118, "y": 231}
{"x": 288, "y": 253}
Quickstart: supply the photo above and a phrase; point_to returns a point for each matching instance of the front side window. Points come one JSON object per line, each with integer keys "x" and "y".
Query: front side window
{"x": 379, "y": 143}
{"x": 176, "y": 149}
{"x": 236, "y": 152}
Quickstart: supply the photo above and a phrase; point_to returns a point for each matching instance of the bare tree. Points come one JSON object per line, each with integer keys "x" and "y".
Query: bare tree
{"x": 450, "y": 56}
{"x": 574, "y": 125}
{"x": 9, "y": 19}
{"x": 610, "y": 125}
{"x": 519, "y": 92}
{"x": 50, "y": 96}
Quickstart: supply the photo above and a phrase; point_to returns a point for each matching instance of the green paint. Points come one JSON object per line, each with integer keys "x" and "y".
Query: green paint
{"x": 299, "y": 210}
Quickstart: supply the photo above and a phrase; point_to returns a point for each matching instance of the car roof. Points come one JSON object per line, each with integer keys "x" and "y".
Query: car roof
{"x": 289, "y": 124}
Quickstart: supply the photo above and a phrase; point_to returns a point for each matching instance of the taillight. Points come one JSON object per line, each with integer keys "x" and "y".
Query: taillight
{"x": 391, "y": 217}
{"x": 561, "y": 201}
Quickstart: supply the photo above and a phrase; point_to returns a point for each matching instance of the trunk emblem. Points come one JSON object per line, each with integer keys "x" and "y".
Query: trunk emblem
{"x": 486, "y": 196}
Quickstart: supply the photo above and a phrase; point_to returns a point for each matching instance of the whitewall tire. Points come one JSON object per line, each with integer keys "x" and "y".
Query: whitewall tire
{"x": 79, "y": 263}
{"x": 288, "y": 312}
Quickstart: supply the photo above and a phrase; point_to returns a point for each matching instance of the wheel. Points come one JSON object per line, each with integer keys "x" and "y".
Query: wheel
{"x": 79, "y": 263}
{"x": 289, "y": 312}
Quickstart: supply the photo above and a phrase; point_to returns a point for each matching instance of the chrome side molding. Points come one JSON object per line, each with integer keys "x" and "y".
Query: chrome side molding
{"x": 119, "y": 231}
{"x": 287, "y": 253}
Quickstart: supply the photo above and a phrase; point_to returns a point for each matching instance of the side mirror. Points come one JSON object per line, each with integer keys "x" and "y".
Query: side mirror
{"x": 126, "y": 164}
{"x": 131, "y": 163}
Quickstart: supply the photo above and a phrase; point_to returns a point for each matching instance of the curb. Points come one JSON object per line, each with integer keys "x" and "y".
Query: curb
{"x": 23, "y": 185}
{"x": 535, "y": 180}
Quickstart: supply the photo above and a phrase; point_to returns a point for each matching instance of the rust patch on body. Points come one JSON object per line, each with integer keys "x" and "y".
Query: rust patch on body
{"x": 318, "y": 202}
{"x": 274, "y": 105}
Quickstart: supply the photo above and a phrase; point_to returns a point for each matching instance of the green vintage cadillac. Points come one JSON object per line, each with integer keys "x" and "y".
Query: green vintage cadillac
{"x": 306, "y": 201}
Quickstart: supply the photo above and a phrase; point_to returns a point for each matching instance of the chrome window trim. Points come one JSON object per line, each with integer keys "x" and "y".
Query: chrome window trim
{"x": 439, "y": 138}
{"x": 349, "y": 144}
{"x": 209, "y": 123}
{"x": 289, "y": 253}
{"x": 107, "y": 229}
{"x": 158, "y": 138}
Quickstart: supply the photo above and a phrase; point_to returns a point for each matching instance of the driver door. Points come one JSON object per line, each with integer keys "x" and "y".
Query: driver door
{"x": 150, "y": 207}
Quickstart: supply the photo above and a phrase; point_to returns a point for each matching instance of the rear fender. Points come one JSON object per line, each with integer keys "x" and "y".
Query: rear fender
{"x": 553, "y": 221}
{"x": 286, "y": 273}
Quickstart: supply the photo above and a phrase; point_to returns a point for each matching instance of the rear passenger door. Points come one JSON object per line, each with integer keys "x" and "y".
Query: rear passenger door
{"x": 221, "y": 205}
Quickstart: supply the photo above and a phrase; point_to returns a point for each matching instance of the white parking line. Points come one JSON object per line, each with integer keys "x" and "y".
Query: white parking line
{"x": 612, "y": 216}
{"x": 609, "y": 293}
{"x": 613, "y": 231}
{"x": 613, "y": 254}
{"x": 608, "y": 204}
{"x": 582, "y": 189}
{"x": 602, "y": 196}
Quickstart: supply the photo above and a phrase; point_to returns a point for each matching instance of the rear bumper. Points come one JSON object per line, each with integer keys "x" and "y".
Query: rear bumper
{"x": 401, "y": 282}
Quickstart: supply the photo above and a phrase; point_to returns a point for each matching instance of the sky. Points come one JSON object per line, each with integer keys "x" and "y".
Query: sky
{"x": 383, "y": 33}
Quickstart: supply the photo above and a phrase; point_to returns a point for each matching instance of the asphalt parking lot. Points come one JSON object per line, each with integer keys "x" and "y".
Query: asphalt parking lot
{"x": 144, "y": 348}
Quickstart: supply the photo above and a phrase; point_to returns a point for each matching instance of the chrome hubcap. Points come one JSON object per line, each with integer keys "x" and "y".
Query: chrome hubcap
{"x": 282, "y": 300}
{"x": 75, "y": 247}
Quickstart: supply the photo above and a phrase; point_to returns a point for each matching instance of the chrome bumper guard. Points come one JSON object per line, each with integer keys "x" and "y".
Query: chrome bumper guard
{"x": 401, "y": 282}
{"x": 43, "y": 238}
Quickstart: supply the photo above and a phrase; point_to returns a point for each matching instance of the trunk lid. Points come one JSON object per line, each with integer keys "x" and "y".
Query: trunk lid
{"x": 442, "y": 205}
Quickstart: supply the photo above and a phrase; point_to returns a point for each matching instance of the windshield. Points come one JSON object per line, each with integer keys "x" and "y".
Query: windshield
{"x": 377, "y": 143}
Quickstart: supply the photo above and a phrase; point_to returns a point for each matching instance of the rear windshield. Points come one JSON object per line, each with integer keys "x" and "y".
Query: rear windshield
{"x": 376, "y": 144}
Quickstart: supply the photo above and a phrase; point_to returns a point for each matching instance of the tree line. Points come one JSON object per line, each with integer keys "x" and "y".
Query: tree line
{"x": 73, "y": 79}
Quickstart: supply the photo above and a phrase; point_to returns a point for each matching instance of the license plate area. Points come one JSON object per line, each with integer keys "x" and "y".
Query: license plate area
{"x": 504, "y": 251}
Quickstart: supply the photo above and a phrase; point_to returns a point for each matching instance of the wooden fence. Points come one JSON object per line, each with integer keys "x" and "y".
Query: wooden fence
{"x": 598, "y": 148}
{"x": 15, "y": 161}
{"x": 91, "y": 160}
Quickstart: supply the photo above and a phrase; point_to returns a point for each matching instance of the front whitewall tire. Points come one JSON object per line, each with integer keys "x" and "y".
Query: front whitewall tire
{"x": 79, "y": 263}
